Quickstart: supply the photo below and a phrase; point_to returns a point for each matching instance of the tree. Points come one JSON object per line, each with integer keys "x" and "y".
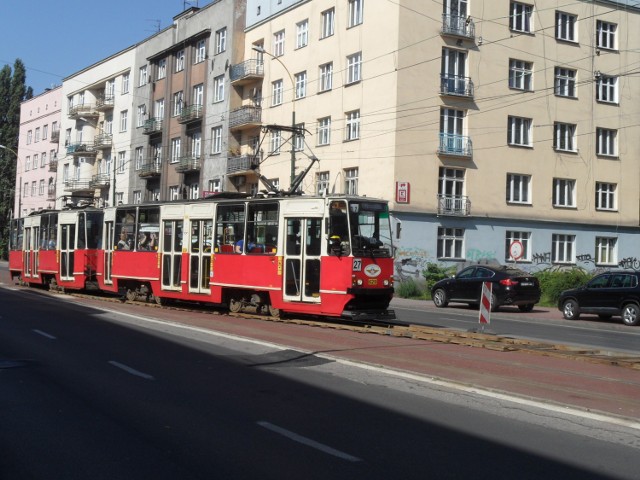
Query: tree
{"x": 13, "y": 92}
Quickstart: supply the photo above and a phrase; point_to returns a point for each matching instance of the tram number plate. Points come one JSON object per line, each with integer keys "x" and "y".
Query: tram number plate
{"x": 373, "y": 281}
{"x": 357, "y": 264}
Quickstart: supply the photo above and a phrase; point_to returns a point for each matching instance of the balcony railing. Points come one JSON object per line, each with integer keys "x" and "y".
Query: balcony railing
{"x": 241, "y": 164}
{"x": 456, "y": 86}
{"x": 77, "y": 185}
{"x": 80, "y": 149}
{"x": 190, "y": 114}
{"x": 457, "y": 205}
{"x": 53, "y": 164}
{"x": 84, "y": 110}
{"x": 247, "y": 71}
{"x": 189, "y": 163}
{"x": 151, "y": 126}
{"x": 458, "y": 26}
{"x": 102, "y": 141}
{"x": 105, "y": 102}
{"x": 455, "y": 145}
{"x": 245, "y": 117}
{"x": 55, "y": 136}
{"x": 100, "y": 180}
{"x": 151, "y": 169}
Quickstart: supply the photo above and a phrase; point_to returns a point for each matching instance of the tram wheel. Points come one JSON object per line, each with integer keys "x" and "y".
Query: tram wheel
{"x": 131, "y": 295}
{"x": 235, "y": 305}
{"x": 274, "y": 312}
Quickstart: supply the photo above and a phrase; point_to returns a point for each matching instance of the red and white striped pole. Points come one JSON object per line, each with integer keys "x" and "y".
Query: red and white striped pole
{"x": 485, "y": 304}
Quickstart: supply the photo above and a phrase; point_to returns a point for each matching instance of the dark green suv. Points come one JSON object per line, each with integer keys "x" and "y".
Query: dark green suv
{"x": 606, "y": 295}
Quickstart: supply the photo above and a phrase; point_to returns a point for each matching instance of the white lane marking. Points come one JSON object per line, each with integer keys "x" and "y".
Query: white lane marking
{"x": 308, "y": 442}
{"x": 44, "y": 334}
{"x": 130, "y": 370}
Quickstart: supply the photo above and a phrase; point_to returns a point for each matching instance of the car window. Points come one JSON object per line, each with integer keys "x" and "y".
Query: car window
{"x": 623, "y": 280}
{"x": 484, "y": 273}
{"x": 466, "y": 273}
{"x": 600, "y": 281}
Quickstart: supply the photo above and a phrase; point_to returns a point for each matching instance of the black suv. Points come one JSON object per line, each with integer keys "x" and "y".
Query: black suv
{"x": 606, "y": 295}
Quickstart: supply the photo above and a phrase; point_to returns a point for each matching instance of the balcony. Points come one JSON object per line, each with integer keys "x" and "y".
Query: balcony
{"x": 51, "y": 193}
{"x": 189, "y": 163}
{"x": 53, "y": 164}
{"x": 458, "y": 26}
{"x": 192, "y": 113}
{"x": 100, "y": 180}
{"x": 245, "y": 117}
{"x": 84, "y": 110}
{"x": 455, "y": 145}
{"x": 80, "y": 150}
{"x": 105, "y": 102}
{"x": 456, "y": 86}
{"x": 152, "y": 126}
{"x": 247, "y": 71}
{"x": 102, "y": 141}
{"x": 150, "y": 170}
{"x": 454, "y": 205}
{"x": 241, "y": 165}
{"x": 77, "y": 185}
{"x": 55, "y": 136}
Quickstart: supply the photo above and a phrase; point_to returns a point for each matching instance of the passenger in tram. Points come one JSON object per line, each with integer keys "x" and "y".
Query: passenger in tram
{"x": 143, "y": 241}
{"x": 124, "y": 242}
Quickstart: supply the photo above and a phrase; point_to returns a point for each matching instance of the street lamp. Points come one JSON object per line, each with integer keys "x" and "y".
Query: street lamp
{"x": 293, "y": 112}
{"x": 113, "y": 188}
{"x": 3, "y": 147}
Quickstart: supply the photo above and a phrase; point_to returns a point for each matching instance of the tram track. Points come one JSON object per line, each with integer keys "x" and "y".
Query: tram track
{"x": 415, "y": 332}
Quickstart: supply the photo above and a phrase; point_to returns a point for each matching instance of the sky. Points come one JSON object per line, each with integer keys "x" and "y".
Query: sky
{"x": 55, "y": 39}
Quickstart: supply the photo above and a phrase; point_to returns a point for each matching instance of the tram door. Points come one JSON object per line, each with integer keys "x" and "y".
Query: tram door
{"x": 171, "y": 254}
{"x": 303, "y": 245}
{"x": 200, "y": 255}
{"x": 67, "y": 246}
{"x": 28, "y": 245}
{"x": 35, "y": 252}
{"x": 109, "y": 242}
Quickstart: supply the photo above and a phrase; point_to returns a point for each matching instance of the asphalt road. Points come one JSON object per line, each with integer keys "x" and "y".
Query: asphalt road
{"x": 103, "y": 395}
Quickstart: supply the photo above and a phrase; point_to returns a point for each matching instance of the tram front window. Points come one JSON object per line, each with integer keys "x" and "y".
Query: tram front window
{"x": 370, "y": 228}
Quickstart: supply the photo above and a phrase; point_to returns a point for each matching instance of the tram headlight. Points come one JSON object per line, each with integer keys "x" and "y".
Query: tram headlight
{"x": 385, "y": 283}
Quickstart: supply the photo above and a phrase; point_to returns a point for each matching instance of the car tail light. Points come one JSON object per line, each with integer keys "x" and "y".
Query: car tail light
{"x": 508, "y": 282}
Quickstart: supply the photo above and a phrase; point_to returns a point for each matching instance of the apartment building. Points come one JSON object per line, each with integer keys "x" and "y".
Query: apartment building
{"x": 38, "y": 152}
{"x": 499, "y": 131}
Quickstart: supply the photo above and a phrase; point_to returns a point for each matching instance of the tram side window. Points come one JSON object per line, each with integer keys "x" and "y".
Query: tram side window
{"x": 148, "y": 229}
{"x": 81, "y": 232}
{"x": 125, "y": 228}
{"x": 94, "y": 229}
{"x": 262, "y": 228}
{"x": 230, "y": 228}
{"x": 17, "y": 231}
{"x": 338, "y": 229}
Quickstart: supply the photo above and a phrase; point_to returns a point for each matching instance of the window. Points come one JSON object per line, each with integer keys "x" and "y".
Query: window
{"x": 520, "y": 74}
{"x": 179, "y": 61}
{"x": 607, "y": 89}
{"x": 520, "y": 18}
{"x": 451, "y": 198}
{"x": 216, "y": 140}
{"x": 124, "y": 116}
{"x": 33, "y": 188}
{"x": 565, "y": 82}
{"x": 25, "y": 190}
{"x": 142, "y": 78}
{"x": 275, "y": 142}
{"x": 218, "y": 89}
{"x": 562, "y": 248}
{"x": 564, "y": 137}
{"x": 354, "y": 67}
{"x": 519, "y": 131}
{"x": 43, "y": 159}
{"x": 214, "y": 185}
{"x": 564, "y": 192}
{"x": 326, "y": 77}
{"x": 566, "y": 27}
{"x": 450, "y": 242}
{"x": 351, "y": 181}
{"x": 301, "y": 84}
{"x": 352, "y": 125}
{"x": 45, "y": 132}
{"x": 178, "y": 100}
{"x": 606, "y": 251}
{"x": 137, "y": 197}
{"x": 125, "y": 83}
{"x": 221, "y": 40}
{"x": 139, "y": 157}
{"x": 298, "y": 140}
{"x": 322, "y": 183}
{"x": 174, "y": 192}
{"x": 606, "y": 142}
{"x": 518, "y": 188}
{"x": 27, "y": 163}
{"x": 121, "y": 161}
{"x": 606, "y": 196}
{"x": 201, "y": 51}
{"x": 324, "y": 131}
{"x": 197, "y": 97}
{"x": 278, "y": 43}
{"x": 36, "y": 138}
{"x": 355, "y": 12}
{"x": 328, "y": 20}
{"x": 524, "y": 238}
{"x": 276, "y": 93}
{"x": 196, "y": 144}
{"x": 606, "y": 35}
{"x": 162, "y": 68}
{"x": 35, "y": 160}
{"x": 142, "y": 113}
{"x": 194, "y": 191}
{"x": 175, "y": 150}
{"x": 302, "y": 34}
{"x": 159, "y": 109}
{"x": 29, "y": 137}
{"x": 41, "y": 187}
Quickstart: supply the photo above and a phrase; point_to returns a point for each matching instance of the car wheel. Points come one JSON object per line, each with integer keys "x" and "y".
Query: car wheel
{"x": 631, "y": 314}
{"x": 494, "y": 303}
{"x": 440, "y": 298}
{"x": 571, "y": 310}
{"x": 526, "y": 308}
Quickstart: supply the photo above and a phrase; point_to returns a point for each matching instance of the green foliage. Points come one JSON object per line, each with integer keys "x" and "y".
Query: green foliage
{"x": 434, "y": 273}
{"x": 552, "y": 283}
{"x": 408, "y": 289}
